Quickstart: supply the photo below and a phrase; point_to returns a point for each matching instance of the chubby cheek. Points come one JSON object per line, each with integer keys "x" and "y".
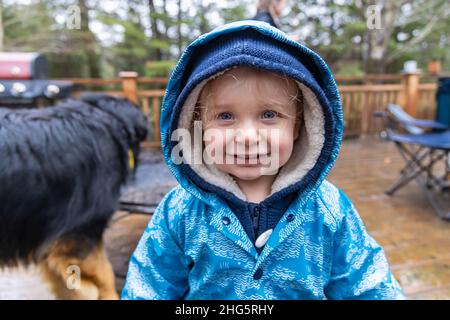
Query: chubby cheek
{"x": 286, "y": 148}
{"x": 215, "y": 146}
{"x": 282, "y": 146}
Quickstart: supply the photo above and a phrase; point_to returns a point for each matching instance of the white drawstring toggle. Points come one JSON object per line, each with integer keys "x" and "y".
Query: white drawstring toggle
{"x": 262, "y": 239}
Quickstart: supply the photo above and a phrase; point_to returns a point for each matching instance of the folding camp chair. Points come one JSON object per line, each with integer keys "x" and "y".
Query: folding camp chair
{"x": 424, "y": 145}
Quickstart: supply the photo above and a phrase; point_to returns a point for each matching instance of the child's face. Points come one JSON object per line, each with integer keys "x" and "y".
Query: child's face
{"x": 260, "y": 110}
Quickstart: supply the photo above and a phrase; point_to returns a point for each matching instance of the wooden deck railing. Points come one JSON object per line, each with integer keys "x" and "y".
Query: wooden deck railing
{"x": 360, "y": 101}
{"x": 361, "y": 97}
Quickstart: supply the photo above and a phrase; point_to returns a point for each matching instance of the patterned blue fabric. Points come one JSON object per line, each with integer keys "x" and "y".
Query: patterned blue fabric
{"x": 195, "y": 247}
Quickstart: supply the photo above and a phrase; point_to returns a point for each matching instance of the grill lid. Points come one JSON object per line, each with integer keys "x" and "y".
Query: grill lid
{"x": 23, "y": 65}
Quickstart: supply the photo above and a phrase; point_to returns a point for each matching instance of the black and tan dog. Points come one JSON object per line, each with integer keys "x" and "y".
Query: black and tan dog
{"x": 61, "y": 169}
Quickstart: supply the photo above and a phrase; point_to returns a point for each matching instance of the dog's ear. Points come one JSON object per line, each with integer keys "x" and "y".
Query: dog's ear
{"x": 94, "y": 98}
{"x": 134, "y": 121}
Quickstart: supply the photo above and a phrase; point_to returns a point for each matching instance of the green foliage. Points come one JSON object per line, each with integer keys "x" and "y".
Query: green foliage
{"x": 159, "y": 68}
{"x": 349, "y": 68}
{"x": 133, "y": 36}
{"x": 58, "y": 65}
{"x": 235, "y": 13}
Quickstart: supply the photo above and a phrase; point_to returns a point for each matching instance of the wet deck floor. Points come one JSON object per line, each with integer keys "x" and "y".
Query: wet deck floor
{"x": 416, "y": 241}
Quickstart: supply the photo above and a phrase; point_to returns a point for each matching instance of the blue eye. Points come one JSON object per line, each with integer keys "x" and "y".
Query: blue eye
{"x": 225, "y": 116}
{"x": 269, "y": 114}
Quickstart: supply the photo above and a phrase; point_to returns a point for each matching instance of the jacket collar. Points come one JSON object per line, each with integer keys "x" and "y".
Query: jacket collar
{"x": 270, "y": 213}
{"x": 272, "y": 205}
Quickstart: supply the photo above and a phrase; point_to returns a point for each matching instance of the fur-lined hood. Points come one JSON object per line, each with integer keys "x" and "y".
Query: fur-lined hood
{"x": 314, "y": 153}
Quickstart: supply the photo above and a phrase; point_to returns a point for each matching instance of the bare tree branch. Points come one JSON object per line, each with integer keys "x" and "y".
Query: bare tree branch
{"x": 414, "y": 41}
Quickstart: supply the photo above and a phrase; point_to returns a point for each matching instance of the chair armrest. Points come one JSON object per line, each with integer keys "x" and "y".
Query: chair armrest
{"x": 424, "y": 123}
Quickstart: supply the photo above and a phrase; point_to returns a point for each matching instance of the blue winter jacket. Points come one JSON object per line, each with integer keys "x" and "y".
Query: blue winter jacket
{"x": 196, "y": 247}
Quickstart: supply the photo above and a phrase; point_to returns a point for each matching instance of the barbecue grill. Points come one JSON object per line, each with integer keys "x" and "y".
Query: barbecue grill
{"x": 24, "y": 83}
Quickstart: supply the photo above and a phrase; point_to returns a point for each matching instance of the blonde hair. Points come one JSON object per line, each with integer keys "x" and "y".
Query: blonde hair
{"x": 204, "y": 100}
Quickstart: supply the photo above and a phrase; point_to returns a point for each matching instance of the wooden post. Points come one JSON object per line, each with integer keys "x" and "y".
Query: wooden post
{"x": 365, "y": 113}
{"x": 156, "y": 117}
{"x": 411, "y": 92}
{"x": 129, "y": 85}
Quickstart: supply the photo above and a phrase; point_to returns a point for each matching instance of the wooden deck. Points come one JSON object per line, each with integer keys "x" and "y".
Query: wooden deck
{"x": 416, "y": 241}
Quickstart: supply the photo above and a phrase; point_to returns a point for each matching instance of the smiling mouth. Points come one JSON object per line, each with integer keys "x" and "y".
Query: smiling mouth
{"x": 246, "y": 159}
{"x": 249, "y": 156}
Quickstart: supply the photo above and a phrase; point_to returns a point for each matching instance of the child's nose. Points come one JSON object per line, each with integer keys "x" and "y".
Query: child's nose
{"x": 247, "y": 135}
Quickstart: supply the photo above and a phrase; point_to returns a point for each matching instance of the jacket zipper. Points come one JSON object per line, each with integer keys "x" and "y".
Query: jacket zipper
{"x": 256, "y": 212}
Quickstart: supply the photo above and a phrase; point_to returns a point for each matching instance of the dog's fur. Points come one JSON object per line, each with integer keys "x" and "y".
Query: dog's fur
{"x": 61, "y": 169}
